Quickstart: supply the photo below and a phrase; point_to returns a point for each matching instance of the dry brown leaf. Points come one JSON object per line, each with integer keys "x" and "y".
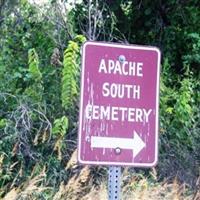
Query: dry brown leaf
{"x": 73, "y": 161}
{"x": 44, "y": 136}
{"x": 13, "y": 165}
{"x": 14, "y": 150}
{"x": 36, "y": 139}
{"x": 57, "y": 147}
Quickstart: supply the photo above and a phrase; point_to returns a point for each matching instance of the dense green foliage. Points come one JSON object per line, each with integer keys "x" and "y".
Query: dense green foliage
{"x": 40, "y": 80}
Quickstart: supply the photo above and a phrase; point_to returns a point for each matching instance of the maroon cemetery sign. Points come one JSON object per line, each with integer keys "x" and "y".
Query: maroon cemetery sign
{"x": 118, "y": 122}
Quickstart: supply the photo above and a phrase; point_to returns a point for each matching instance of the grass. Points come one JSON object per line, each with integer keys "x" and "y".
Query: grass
{"x": 89, "y": 183}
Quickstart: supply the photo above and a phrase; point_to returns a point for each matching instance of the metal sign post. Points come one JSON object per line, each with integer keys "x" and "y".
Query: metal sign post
{"x": 114, "y": 179}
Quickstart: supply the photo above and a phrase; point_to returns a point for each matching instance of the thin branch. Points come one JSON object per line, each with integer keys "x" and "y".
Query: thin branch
{"x": 90, "y": 20}
{"x": 49, "y": 126}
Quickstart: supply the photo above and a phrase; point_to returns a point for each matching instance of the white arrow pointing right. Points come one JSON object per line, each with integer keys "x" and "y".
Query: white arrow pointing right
{"x": 135, "y": 143}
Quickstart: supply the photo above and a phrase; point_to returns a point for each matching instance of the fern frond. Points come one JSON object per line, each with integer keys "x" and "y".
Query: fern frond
{"x": 80, "y": 39}
{"x": 35, "y": 89}
{"x": 33, "y": 62}
{"x": 70, "y": 72}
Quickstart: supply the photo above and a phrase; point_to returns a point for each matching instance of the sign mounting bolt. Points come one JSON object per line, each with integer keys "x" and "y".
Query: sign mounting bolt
{"x": 117, "y": 150}
{"x": 122, "y": 58}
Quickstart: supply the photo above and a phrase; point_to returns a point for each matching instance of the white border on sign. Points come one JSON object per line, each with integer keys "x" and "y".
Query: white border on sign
{"x": 157, "y": 104}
